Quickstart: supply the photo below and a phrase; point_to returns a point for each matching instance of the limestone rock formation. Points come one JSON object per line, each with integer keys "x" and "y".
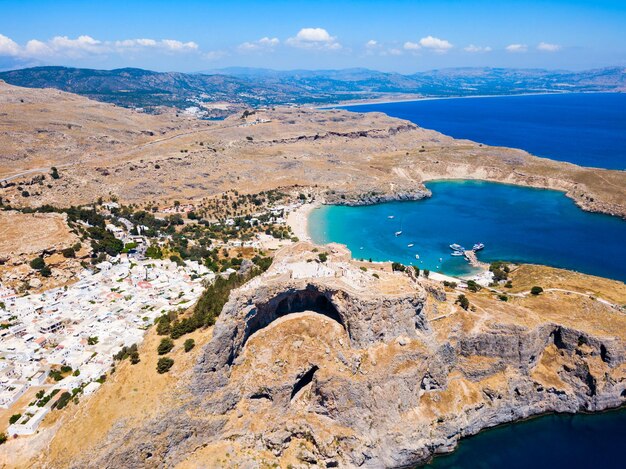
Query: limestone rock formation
{"x": 324, "y": 364}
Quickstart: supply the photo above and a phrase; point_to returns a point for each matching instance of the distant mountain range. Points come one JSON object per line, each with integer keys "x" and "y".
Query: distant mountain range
{"x": 132, "y": 87}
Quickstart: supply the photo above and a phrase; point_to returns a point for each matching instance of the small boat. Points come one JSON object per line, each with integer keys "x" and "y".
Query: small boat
{"x": 417, "y": 256}
{"x": 398, "y": 233}
{"x": 456, "y": 253}
{"x": 478, "y": 247}
{"x": 410, "y": 245}
{"x": 391, "y": 217}
{"x": 457, "y": 247}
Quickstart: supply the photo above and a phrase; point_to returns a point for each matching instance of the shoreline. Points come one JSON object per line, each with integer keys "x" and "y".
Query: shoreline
{"x": 298, "y": 220}
{"x": 438, "y": 98}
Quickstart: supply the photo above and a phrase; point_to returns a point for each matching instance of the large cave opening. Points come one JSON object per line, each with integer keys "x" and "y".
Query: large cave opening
{"x": 293, "y": 301}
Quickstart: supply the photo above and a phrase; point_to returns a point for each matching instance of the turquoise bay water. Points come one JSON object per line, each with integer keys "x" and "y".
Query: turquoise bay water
{"x": 549, "y": 442}
{"x": 515, "y": 223}
{"x": 588, "y": 129}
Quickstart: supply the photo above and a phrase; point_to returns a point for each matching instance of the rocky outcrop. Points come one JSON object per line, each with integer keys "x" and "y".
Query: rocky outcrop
{"x": 321, "y": 365}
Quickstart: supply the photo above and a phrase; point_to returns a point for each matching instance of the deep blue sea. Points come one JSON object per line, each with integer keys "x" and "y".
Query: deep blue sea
{"x": 515, "y": 224}
{"x": 588, "y": 129}
{"x": 549, "y": 442}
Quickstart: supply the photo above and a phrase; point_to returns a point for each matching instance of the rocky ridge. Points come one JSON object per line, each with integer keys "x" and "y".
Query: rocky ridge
{"x": 326, "y": 365}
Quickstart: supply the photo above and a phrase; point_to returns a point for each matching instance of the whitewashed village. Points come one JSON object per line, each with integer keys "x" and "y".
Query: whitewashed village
{"x": 58, "y": 345}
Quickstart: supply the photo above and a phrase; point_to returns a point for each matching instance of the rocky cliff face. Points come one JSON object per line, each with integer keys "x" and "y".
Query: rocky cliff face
{"x": 324, "y": 364}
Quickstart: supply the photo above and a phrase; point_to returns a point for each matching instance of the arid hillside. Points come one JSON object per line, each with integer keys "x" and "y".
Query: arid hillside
{"x": 346, "y": 364}
{"x": 104, "y": 151}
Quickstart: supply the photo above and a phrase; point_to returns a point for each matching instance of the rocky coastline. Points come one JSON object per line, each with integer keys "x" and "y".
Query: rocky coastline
{"x": 315, "y": 364}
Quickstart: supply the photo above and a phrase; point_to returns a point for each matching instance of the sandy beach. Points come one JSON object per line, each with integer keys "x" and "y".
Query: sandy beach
{"x": 298, "y": 220}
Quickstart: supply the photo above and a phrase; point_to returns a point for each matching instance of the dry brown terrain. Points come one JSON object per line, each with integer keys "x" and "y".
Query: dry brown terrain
{"x": 105, "y": 151}
{"x": 402, "y": 370}
{"x": 36, "y": 232}
{"x": 367, "y": 395}
{"x": 24, "y": 236}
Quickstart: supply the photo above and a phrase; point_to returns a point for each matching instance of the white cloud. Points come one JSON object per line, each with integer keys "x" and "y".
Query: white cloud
{"x": 439, "y": 46}
{"x": 371, "y": 44}
{"x": 516, "y": 48}
{"x": 547, "y": 47}
{"x": 265, "y": 43}
{"x": 35, "y": 48}
{"x": 314, "y": 38}
{"x": 411, "y": 46}
{"x": 476, "y": 49}
{"x": 178, "y": 46}
{"x": 214, "y": 54}
{"x": 436, "y": 44}
{"x": 8, "y": 46}
{"x": 395, "y": 52}
{"x": 83, "y": 46}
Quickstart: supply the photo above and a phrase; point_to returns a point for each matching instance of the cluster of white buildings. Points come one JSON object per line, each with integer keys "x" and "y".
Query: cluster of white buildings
{"x": 84, "y": 324}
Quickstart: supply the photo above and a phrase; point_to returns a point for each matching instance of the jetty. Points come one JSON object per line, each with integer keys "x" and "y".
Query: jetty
{"x": 471, "y": 257}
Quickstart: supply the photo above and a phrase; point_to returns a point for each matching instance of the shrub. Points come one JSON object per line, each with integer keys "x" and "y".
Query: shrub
{"x": 38, "y": 263}
{"x": 189, "y": 344}
{"x": 323, "y": 257}
{"x": 165, "y": 346}
{"x": 503, "y": 298}
{"x": 68, "y": 252}
{"x": 463, "y": 302}
{"x": 473, "y": 286}
{"x": 62, "y": 401}
{"x": 14, "y": 418}
{"x": 177, "y": 260}
{"x": 397, "y": 267}
{"x": 45, "y": 272}
{"x": 452, "y": 285}
{"x": 54, "y": 173}
{"x": 536, "y": 290}
{"x": 164, "y": 364}
{"x": 92, "y": 340}
{"x": 125, "y": 352}
{"x": 426, "y": 273}
{"x": 154, "y": 252}
{"x": 134, "y": 357}
{"x": 3, "y": 438}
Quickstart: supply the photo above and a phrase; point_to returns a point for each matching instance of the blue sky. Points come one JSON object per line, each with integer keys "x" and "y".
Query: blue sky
{"x": 403, "y": 36}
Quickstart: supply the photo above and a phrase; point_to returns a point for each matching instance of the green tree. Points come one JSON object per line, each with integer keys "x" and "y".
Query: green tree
{"x": 14, "y": 418}
{"x": 536, "y": 290}
{"x": 177, "y": 260}
{"x": 164, "y": 364}
{"x": 426, "y": 273}
{"x": 189, "y": 344}
{"x": 463, "y": 302}
{"x": 69, "y": 252}
{"x": 165, "y": 346}
{"x": 134, "y": 357}
{"x": 473, "y": 286}
{"x": 92, "y": 340}
{"x": 323, "y": 257}
{"x": 38, "y": 263}
{"x": 154, "y": 252}
{"x": 54, "y": 173}
{"x": 45, "y": 272}
{"x": 397, "y": 267}
{"x": 62, "y": 401}
{"x": 3, "y": 438}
